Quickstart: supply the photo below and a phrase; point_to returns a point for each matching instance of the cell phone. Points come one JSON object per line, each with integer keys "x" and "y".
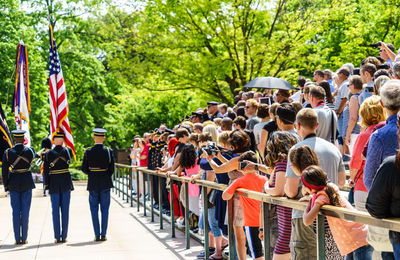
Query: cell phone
{"x": 264, "y": 100}
{"x": 242, "y": 165}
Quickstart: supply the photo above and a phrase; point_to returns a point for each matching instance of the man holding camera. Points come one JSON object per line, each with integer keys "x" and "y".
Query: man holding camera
{"x": 367, "y": 76}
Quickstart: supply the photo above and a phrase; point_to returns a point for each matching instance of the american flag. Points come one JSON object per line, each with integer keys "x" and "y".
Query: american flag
{"x": 58, "y": 97}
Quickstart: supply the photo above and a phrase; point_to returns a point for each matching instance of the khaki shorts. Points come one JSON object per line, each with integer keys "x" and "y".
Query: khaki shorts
{"x": 303, "y": 241}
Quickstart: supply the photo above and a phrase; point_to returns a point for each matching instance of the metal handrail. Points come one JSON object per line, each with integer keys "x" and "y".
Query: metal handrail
{"x": 326, "y": 210}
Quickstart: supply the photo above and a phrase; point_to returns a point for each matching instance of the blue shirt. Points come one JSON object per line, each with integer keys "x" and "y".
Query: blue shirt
{"x": 383, "y": 143}
{"x": 330, "y": 81}
{"x": 365, "y": 94}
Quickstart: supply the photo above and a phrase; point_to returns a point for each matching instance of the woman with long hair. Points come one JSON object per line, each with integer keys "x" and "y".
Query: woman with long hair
{"x": 277, "y": 152}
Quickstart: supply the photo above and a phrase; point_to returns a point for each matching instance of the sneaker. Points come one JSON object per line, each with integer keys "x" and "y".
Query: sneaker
{"x": 202, "y": 255}
{"x": 180, "y": 222}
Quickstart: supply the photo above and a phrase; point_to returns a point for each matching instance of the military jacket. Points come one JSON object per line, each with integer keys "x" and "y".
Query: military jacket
{"x": 98, "y": 164}
{"x": 56, "y": 169}
{"x": 15, "y": 169}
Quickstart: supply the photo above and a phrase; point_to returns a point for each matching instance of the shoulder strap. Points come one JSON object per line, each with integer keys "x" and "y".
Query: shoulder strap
{"x": 332, "y": 127}
{"x": 59, "y": 156}
{"x": 19, "y": 158}
{"x": 109, "y": 156}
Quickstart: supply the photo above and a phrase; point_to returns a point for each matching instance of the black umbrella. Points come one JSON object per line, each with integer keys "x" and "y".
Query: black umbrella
{"x": 269, "y": 83}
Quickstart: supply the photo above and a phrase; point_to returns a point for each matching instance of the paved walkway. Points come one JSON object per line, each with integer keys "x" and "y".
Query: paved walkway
{"x": 130, "y": 235}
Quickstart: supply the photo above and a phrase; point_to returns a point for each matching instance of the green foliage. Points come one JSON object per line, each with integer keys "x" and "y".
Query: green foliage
{"x": 131, "y": 69}
{"x": 77, "y": 174}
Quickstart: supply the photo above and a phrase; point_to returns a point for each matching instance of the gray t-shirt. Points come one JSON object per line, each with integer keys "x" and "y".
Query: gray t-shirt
{"x": 252, "y": 121}
{"x": 343, "y": 92}
{"x": 257, "y": 131}
{"x": 325, "y": 118}
{"x": 330, "y": 161}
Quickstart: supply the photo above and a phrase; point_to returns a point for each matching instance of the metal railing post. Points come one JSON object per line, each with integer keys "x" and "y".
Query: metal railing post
{"x": 119, "y": 182}
{"x": 113, "y": 178}
{"x": 321, "y": 237}
{"x": 266, "y": 227}
{"x": 231, "y": 232}
{"x": 187, "y": 226}
{"x": 138, "y": 190}
{"x": 144, "y": 194}
{"x": 172, "y": 208}
{"x": 205, "y": 218}
{"x": 152, "y": 197}
{"x": 131, "y": 182}
{"x": 123, "y": 183}
{"x": 127, "y": 184}
{"x": 160, "y": 202}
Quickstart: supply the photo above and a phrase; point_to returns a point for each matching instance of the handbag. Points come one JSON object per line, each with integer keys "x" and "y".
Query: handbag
{"x": 211, "y": 198}
{"x": 351, "y": 191}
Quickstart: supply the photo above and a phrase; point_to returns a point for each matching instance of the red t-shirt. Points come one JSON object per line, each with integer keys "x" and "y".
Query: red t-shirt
{"x": 251, "y": 207}
{"x": 144, "y": 152}
{"x": 356, "y": 160}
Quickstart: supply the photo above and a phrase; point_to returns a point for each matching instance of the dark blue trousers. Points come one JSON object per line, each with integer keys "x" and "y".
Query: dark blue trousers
{"x": 60, "y": 201}
{"x": 101, "y": 198}
{"x": 21, "y": 204}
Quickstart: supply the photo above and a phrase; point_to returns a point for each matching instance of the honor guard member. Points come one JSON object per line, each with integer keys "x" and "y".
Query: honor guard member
{"x": 17, "y": 179}
{"x": 98, "y": 164}
{"x": 59, "y": 183}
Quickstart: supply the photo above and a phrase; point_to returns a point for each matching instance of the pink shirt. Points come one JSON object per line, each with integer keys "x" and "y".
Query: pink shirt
{"x": 194, "y": 189}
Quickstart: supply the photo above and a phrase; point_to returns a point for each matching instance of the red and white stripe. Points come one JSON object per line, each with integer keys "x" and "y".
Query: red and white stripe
{"x": 59, "y": 109}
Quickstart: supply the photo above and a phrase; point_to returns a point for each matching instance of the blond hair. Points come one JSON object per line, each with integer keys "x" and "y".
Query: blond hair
{"x": 371, "y": 111}
{"x": 223, "y": 138}
{"x": 253, "y": 102}
{"x": 212, "y": 130}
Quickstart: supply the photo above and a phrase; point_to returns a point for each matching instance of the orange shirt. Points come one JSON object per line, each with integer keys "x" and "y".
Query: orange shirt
{"x": 348, "y": 235}
{"x": 251, "y": 207}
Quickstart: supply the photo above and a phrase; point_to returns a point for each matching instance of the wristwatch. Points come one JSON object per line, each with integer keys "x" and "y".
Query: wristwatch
{"x": 256, "y": 167}
{"x": 260, "y": 229}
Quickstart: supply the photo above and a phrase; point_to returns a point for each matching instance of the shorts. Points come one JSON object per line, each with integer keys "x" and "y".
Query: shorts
{"x": 253, "y": 241}
{"x": 238, "y": 218}
{"x": 303, "y": 241}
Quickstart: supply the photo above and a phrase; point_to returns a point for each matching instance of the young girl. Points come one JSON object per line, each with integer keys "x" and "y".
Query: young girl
{"x": 349, "y": 236}
{"x": 300, "y": 158}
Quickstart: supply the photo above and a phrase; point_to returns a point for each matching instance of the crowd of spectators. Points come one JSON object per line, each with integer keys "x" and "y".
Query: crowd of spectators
{"x": 295, "y": 144}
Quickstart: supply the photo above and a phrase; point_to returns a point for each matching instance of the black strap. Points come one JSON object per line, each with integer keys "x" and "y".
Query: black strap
{"x": 19, "y": 158}
{"x": 59, "y": 156}
{"x": 332, "y": 128}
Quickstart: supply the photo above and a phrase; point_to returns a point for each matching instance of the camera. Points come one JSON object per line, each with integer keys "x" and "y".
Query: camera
{"x": 383, "y": 66}
{"x": 211, "y": 149}
{"x": 356, "y": 71}
{"x": 375, "y": 45}
{"x": 242, "y": 165}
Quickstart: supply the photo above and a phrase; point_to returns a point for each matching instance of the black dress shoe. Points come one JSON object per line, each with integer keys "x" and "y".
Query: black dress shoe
{"x": 103, "y": 238}
{"x": 64, "y": 240}
{"x": 57, "y": 241}
{"x": 17, "y": 242}
{"x": 97, "y": 239}
{"x": 23, "y": 242}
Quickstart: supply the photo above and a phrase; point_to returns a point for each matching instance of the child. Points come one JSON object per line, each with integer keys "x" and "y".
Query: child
{"x": 251, "y": 208}
{"x": 349, "y": 236}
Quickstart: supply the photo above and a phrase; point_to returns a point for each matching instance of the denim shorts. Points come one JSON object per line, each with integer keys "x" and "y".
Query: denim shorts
{"x": 213, "y": 223}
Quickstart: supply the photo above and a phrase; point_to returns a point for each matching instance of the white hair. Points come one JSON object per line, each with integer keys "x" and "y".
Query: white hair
{"x": 390, "y": 94}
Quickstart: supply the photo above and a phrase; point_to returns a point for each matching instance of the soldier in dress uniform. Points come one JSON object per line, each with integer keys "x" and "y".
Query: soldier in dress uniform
{"x": 17, "y": 179}
{"x": 59, "y": 183}
{"x": 98, "y": 164}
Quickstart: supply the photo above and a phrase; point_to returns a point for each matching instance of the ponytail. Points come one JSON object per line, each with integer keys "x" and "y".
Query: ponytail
{"x": 333, "y": 194}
